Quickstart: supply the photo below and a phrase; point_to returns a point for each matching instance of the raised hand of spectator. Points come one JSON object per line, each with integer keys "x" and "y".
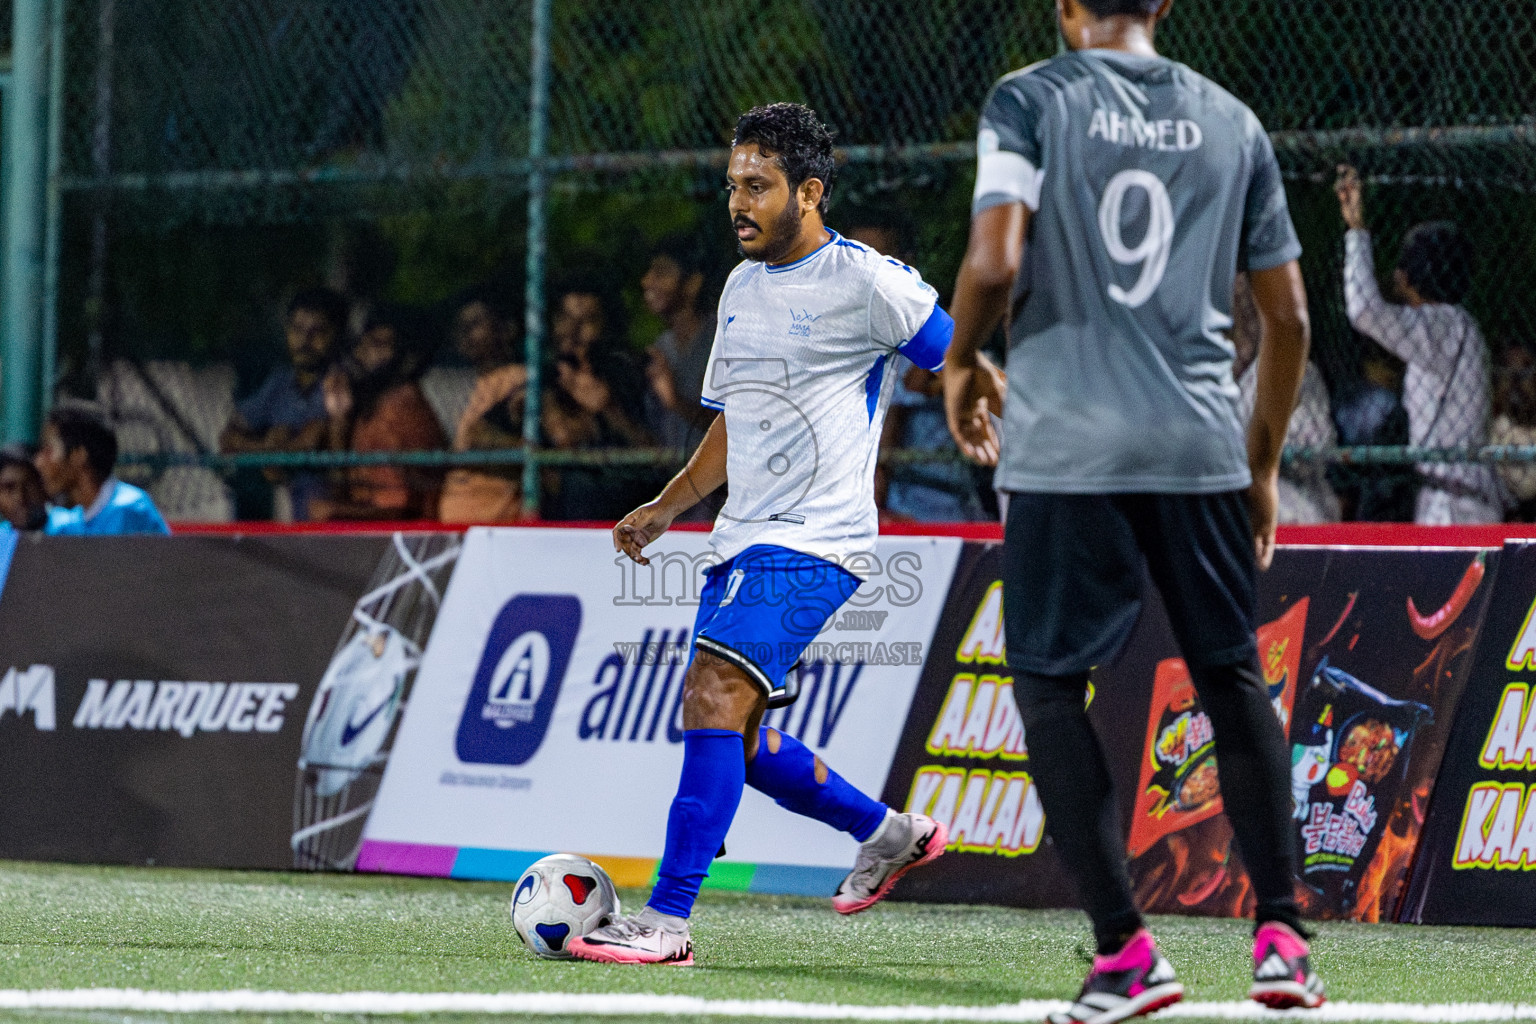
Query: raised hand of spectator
{"x": 659, "y": 373}
{"x": 1351, "y": 204}
{"x": 337, "y": 388}
{"x": 586, "y": 388}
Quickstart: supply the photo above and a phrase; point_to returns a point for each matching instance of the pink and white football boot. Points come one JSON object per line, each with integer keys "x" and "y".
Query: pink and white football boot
{"x": 1282, "y": 971}
{"x": 644, "y": 938}
{"x": 1135, "y": 981}
{"x": 903, "y": 842}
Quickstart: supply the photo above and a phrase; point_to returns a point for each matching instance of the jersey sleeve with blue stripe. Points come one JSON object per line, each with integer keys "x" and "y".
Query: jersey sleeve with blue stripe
{"x": 904, "y": 313}
{"x": 712, "y": 393}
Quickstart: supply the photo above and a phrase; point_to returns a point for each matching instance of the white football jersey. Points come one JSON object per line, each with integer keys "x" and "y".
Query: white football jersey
{"x": 801, "y": 367}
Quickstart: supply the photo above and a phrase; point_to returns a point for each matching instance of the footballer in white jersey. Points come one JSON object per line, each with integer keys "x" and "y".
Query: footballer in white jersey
{"x": 801, "y": 368}
{"x": 800, "y": 372}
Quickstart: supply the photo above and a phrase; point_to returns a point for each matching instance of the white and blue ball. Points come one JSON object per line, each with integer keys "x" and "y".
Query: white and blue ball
{"x": 559, "y": 898}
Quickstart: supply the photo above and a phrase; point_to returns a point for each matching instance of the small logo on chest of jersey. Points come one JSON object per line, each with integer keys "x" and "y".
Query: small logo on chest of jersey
{"x": 800, "y": 326}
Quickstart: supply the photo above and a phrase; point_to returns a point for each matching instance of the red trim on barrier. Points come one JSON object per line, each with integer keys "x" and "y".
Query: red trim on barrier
{"x": 1406, "y": 535}
{"x": 965, "y": 531}
{"x": 254, "y": 527}
{"x": 1331, "y": 535}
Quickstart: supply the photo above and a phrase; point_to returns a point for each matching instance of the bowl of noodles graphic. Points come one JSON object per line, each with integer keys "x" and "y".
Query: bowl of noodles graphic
{"x": 1196, "y": 784}
{"x": 1371, "y": 746}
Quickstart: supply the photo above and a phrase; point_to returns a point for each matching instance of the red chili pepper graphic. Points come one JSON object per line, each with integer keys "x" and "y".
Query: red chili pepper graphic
{"x": 1342, "y": 616}
{"x": 1206, "y": 887}
{"x": 1431, "y": 626}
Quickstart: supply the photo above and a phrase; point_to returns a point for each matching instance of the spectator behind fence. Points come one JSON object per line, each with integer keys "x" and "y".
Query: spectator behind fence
{"x": 1370, "y": 412}
{"x": 287, "y": 413}
{"x": 23, "y": 505}
{"x": 1515, "y": 424}
{"x": 1305, "y": 495}
{"x": 677, "y": 288}
{"x": 75, "y": 460}
{"x": 1446, "y": 385}
{"x": 485, "y": 336}
{"x": 594, "y": 397}
{"x": 1365, "y": 416}
{"x": 932, "y": 492}
{"x": 375, "y": 404}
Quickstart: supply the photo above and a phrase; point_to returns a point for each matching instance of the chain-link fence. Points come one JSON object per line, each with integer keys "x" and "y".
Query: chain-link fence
{"x": 219, "y": 154}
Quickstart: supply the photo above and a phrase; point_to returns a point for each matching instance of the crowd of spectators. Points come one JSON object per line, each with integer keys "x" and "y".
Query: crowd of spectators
{"x": 352, "y": 381}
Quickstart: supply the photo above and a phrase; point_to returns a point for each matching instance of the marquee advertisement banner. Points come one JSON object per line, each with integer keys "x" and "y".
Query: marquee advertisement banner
{"x": 547, "y": 711}
{"x": 155, "y": 691}
{"x": 1363, "y": 680}
{"x": 1477, "y": 858}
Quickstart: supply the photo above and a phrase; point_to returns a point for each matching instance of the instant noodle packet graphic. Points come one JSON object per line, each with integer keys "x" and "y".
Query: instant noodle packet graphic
{"x": 1355, "y": 742}
{"x": 1178, "y": 770}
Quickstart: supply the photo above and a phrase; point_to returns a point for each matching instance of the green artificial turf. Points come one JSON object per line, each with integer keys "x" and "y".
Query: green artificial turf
{"x": 73, "y": 927}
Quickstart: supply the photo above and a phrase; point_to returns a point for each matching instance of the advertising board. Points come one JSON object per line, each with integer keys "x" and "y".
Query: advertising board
{"x": 154, "y": 692}
{"x": 1477, "y": 858}
{"x": 547, "y": 711}
{"x": 1364, "y": 682}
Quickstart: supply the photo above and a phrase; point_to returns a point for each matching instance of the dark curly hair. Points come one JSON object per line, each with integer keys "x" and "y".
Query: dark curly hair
{"x": 1110, "y": 8}
{"x": 328, "y": 302}
{"x": 83, "y": 426}
{"x": 1437, "y": 260}
{"x": 791, "y": 133}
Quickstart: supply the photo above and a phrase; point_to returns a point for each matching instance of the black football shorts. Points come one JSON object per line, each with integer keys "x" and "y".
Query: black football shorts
{"x": 1074, "y": 568}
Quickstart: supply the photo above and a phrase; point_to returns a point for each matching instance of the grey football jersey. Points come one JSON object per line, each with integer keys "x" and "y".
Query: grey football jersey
{"x": 1151, "y": 187}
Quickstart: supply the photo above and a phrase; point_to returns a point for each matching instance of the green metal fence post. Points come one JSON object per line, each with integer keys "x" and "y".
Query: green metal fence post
{"x": 53, "y": 225}
{"x": 538, "y": 189}
{"x": 21, "y": 298}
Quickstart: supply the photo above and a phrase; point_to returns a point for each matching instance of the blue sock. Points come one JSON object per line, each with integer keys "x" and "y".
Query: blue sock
{"x": 786, "y": 770}
{"x": 714, "y": 771}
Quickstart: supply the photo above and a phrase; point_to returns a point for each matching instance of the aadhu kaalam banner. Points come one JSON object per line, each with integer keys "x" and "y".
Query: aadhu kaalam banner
{"x": 1365, "y": 652}
{"x": 1477, "y": 858}
{"x": 962, "y": 758}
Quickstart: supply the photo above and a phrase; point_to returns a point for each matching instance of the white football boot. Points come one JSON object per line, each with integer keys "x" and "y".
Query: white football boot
{"x": 644, "y": 938}
{"x": 903, "y": 842}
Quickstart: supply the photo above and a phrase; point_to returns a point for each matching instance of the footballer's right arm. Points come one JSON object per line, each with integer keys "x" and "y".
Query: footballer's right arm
{"x": 1286, "y": 336}
{"x": 992, "y": 260}
{"x": 704, "y": 474}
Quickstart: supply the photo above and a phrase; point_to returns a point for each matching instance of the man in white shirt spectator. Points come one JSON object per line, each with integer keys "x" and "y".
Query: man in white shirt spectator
{"x": 1446, "y": 387}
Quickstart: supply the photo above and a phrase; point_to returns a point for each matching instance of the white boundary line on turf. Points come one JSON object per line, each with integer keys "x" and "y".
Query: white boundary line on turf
{"x": 645, "y": 1004}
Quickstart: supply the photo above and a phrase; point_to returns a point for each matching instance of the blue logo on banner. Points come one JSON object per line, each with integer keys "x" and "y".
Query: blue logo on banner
{"x": 518, "y": 681}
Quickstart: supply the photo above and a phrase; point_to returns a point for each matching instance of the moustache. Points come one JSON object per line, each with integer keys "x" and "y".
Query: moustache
{"x": 745, "y": 222}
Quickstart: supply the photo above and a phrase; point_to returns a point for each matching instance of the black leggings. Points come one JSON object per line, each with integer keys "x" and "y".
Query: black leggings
{"x": 1077, "y": 792}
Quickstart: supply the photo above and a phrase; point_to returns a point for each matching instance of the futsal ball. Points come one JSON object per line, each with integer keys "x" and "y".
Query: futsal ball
{"x": 558, "y": 899}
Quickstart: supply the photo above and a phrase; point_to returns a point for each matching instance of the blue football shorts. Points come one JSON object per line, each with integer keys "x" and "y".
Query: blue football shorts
{"x": 760, "y": 609}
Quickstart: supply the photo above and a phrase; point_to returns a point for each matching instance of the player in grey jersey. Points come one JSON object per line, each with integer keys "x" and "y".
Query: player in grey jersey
{"x": 1117, "y": 196}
